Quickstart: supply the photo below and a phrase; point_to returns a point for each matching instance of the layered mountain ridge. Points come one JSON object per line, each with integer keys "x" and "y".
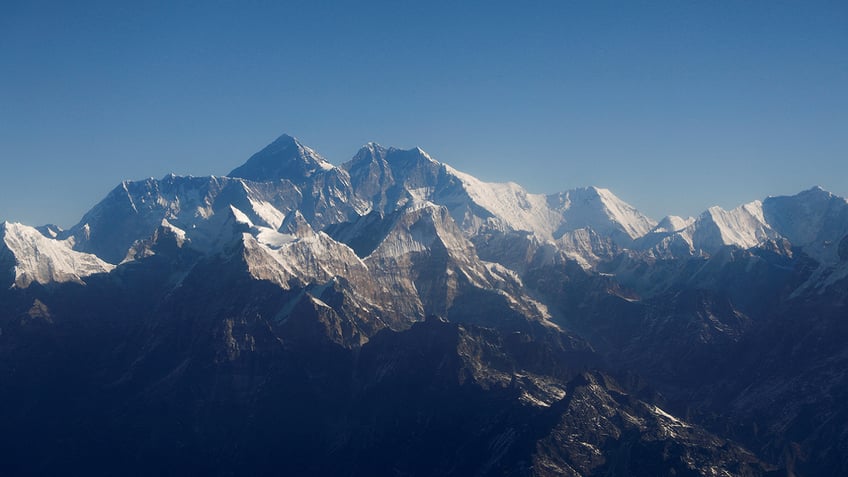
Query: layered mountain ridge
{"x": 564, "y": 330}
{"x": 286, "y": 178}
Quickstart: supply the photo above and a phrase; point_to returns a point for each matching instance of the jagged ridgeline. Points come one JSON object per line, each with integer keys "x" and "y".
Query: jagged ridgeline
{"x": 395, "y": 316}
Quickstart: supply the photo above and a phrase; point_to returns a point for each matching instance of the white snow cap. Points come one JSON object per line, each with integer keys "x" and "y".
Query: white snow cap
{"x": 44, "y": 260}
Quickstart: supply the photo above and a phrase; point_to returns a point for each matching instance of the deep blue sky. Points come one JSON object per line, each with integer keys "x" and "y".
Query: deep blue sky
{"x": 674, "y": 105}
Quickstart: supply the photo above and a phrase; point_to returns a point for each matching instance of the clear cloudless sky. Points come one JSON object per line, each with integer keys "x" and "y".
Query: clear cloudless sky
{"x": 674, "y": 105}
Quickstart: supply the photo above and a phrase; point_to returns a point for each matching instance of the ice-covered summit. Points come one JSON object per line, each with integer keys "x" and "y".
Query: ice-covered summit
{"x": 285, "y": 158}
{"x": 814, "y": 219}
{"x": 602, "y": 211}
{"x": 33, "y": 257}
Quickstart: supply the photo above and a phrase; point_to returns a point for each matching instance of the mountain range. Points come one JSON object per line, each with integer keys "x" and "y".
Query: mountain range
{"x": 395, "y": 316}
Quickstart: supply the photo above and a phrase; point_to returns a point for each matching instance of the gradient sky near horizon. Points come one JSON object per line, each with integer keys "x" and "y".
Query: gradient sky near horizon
{"x": 674, "y": 105}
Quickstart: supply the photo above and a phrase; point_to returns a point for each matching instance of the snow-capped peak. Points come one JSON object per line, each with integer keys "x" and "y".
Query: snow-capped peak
{"x": 367, "y": 153}
{"x": 813, "y": 219}
{"x": 44, "y": 260}
{"x": 602, "y": 211}
{"x": 510, "y": 203}
{"x": 424, "y": 154}
{"x": 743, "y": 226}
{"x": 373, "y": 147}
{"x": 285, "y": 158}
{"x": 673, "y": 223}
{"x": 634, "y": 223}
